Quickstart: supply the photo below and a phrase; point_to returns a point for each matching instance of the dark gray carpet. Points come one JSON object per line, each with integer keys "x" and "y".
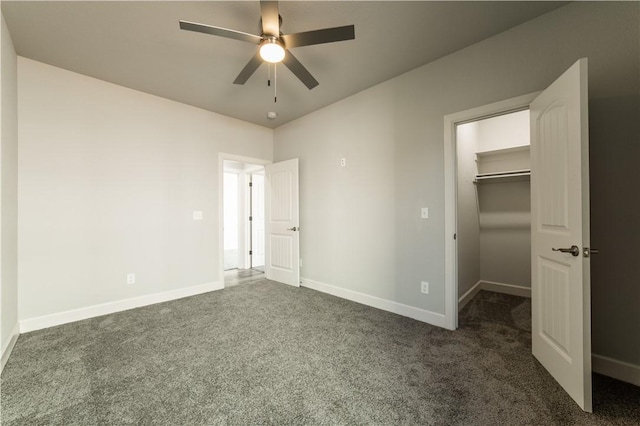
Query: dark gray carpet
{"x": 266, "y": 353}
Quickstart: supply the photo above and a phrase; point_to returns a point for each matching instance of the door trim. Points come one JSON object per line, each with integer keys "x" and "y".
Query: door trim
{"x": 221, "y": 158}
{"x": 450, "y": 193}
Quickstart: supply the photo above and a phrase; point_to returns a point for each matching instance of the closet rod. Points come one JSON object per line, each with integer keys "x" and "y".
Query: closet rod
{"x": 500, "y": 175}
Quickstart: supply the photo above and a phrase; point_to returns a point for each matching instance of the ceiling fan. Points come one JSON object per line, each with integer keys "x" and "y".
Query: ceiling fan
{"x": 274, "y": 46}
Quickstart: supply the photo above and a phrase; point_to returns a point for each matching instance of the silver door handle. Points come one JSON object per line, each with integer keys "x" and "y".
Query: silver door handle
{"x": 293, "y": 229}
{"x": 574, "y": 250}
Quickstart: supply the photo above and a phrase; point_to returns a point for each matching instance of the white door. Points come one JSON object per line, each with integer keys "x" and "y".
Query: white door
{"x": 561, "y": 305}
{"x": 281, "y": 218}
{"x": 257, "y": 220}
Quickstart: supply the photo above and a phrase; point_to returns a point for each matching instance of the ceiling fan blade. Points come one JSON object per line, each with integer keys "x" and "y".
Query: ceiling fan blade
{"x": 249, "y": 69}
{"x": 327, "y": 35}
{"x": 299, "y": 70}
{"x": 223, "y": 32}
{"x": 270, "y": 18}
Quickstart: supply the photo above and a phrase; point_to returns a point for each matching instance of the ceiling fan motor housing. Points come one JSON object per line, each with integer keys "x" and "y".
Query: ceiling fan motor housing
{"x": 272, "y": 50}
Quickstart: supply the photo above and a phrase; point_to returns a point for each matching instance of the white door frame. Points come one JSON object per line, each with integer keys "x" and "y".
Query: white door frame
{"x": 450, "y": 192}
{"x": 252, "y": 234}
{"x": 221, "y": 158}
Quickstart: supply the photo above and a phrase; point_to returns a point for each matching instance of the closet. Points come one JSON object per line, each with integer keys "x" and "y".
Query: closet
{"x": 493, "y": 206}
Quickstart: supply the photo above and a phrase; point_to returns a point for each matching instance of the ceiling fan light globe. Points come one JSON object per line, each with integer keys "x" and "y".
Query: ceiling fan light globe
{"x": 272, "y": 52}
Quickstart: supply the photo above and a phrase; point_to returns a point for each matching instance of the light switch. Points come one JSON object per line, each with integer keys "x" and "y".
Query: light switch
{"x": 425, "y": 213}
{"x": 197, "y": 215}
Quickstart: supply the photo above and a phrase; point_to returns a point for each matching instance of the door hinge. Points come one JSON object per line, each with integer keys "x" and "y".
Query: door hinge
{"x": 250, "y": 184}
{"x": 454, "y": 236}
{"x": 250, "y": 218}
{"x": 250, "y": 252}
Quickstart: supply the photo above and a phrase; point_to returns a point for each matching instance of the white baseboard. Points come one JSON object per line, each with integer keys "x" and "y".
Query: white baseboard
{"x": 8, "y": 347}
{"x": 470, "y": 294}
{"x": 514, "y": 290}
{"x": 620, "y": 370}
{"x": 419, "y": 314}
{"x": 79, "y": 314}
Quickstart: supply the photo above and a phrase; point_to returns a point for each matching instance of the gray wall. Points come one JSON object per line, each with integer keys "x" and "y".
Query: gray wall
{"x": 505, "y": 206}
{"x": 362, "y": 228}
{"x": 108, "y": 180}
{"x": 505, "y": 232}
{"x": 347, "y": 214}
{"x": 8, "y": 191}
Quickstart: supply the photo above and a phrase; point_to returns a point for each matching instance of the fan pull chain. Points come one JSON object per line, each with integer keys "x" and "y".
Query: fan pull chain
{"x": 275, "y": 83}
{"x": 269, "y": 78}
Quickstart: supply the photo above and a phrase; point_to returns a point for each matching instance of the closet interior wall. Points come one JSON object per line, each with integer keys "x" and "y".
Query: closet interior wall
{"x": 494, "y": 214}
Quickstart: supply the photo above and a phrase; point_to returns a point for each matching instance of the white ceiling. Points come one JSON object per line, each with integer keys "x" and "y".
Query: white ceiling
{"x": 139, "y": 45}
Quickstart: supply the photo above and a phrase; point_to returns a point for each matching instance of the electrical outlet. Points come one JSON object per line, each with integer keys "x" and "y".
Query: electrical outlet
{"x": 424, "y": 287}
{"x": 131, "y": 278}
{"x": 424, "y": 213}
{"x": 343, "y": 162}
{"x": 197, "y": 215}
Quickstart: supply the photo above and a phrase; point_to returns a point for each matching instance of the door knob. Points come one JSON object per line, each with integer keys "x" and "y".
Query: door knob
{"x": 574, "y": 250}
{"x": 293, "y": 229}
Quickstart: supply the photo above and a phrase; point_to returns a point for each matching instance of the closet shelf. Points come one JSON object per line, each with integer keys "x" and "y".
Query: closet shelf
{"x": 508, "y": 175}
{"x": 501, "y": 151}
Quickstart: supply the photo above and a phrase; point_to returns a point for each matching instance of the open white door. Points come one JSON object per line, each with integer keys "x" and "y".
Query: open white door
{"x": 282, "y": 246}
{"x": 561, "y": 290}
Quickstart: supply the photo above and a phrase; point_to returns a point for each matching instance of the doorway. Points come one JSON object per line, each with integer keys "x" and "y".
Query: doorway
{"x": 243, "y": 230}
{"x": 559, "y": 212}
{"x": 451, "y": 124}
{"x": 494, "y": 206}
{"x": 278, "y": 204}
